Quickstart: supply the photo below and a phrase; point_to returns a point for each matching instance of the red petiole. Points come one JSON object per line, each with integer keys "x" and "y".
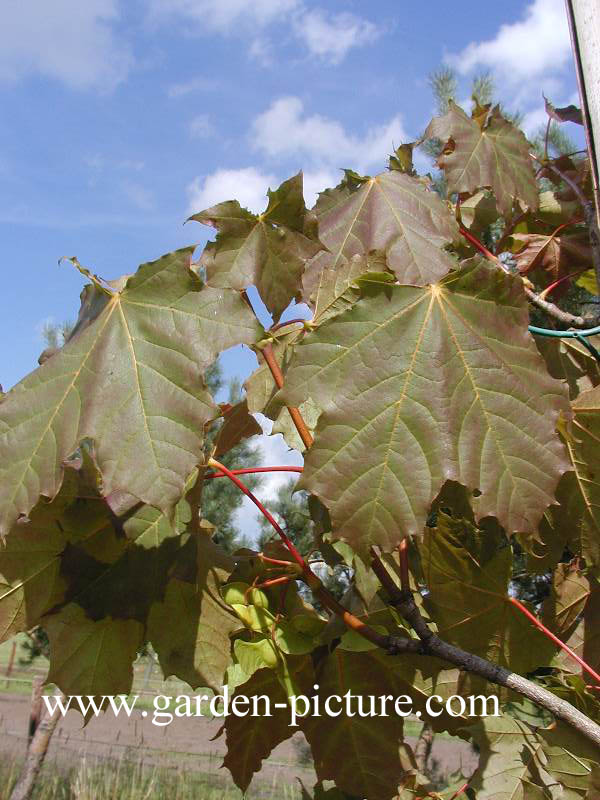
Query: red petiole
{"x": 253, "y": 471}
{"x": 532, "y": 618}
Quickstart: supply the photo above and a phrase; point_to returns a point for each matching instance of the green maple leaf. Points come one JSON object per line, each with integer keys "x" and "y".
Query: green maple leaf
{"x": 130, "y": 378}
{"x": 325, "y": 288}
{"x": 190, "y": 625}
{"x": 103, "y": 575}
{"x": 251, "y": 739}
{"x": 569, "y": 595}
{"x": 394, "y": 214}
{"x": 361, "y": 754}
{"x": 584, "y": 639}
{"x": 577, "y": 519}
{"x": 267, "y": 250}
{"x": 39, "y": 566}
{"x": 512, "y": 762}
{"x": 485, "y": 151}
{"x": 479, "y": 211}
{"x": 467, "y": 572}
{"x": 570, "y": 360}
{"x": 420, "y": 386}
{"x": 92, "y": 657}
{"x": 571, "y": 759}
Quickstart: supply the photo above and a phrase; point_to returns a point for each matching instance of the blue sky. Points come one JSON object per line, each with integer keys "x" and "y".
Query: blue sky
{"x": 121, "y": 118}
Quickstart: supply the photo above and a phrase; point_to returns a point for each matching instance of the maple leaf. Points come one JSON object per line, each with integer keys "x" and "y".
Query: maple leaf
{"x": 467, "y": 572}
{"x": 190, "y": 625}
{"x": 360, "y": 753}
{"x": 557, "y": 255}
{"x": 393, "y": 214}
{"x": 267, "y": 250}
{"x": 585, "y": 637}
{"x": 238, "y": 424}
{"x": 485, "y": 151}
{"x": 512, "y": 762}
{"x": 420, "y": 386}
{"x": 131, "y": 379}
{"x": 249, "y": 740}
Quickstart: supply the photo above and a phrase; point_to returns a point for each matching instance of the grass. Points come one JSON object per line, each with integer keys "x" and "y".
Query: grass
{"x": 109, "y": 779}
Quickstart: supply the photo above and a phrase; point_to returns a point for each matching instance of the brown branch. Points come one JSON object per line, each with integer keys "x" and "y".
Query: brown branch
{"x": 564, "y": 317}
{"x": 431, "y": 644}
{"x": 570, "y": 320}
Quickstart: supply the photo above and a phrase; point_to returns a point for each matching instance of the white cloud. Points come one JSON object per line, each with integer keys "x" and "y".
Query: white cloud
{"x": 285, "y": 130}
{"x": 66, "y": 40}
{"x": 224, "y": 15}
{"x": 197, "y": 84}
{"x": 325, "y": 35}
{"x": 531, "y": 48}
{"x": 248, "y": 186}
{"x": 201, "y": 127}
{"x": 261, "y": 50}
{"x": 332, "y": 37}
{"x": 315, "y": 182}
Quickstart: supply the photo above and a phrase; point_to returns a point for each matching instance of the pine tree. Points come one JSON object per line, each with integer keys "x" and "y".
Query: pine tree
{"x": 220, "y": 498}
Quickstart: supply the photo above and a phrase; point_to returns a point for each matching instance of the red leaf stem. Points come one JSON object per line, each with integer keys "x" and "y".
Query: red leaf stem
{"x": 478, "y": 245}
{"x": 265, "y": 512}
{"x": 253, "y": 470}
{"x": 532, "y": 618}
{"x": 277, "y": 561}
{"x": 295, "y": 414}
{"x": 458, "y": 792}
{"x": 287, "y": 322}
{"x": 312, "y": 581}
{"x": 553, "y": 286}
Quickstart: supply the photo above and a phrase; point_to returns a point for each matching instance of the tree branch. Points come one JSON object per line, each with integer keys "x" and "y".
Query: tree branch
{"x": 564, "y": 317}
{"x": 431, "y": 644}
{"x": 570, "y": 320}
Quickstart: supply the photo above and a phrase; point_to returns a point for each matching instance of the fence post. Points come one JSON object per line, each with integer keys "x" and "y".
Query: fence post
{"x": 584, "y": 23}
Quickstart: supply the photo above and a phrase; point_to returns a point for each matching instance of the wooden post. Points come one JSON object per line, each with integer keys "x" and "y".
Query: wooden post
{"x": 584, "y": 23}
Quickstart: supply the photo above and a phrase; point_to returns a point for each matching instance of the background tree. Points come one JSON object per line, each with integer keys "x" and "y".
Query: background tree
{"x": 220, "y": 498}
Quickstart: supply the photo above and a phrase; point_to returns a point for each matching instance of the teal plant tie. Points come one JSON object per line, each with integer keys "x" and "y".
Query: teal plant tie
{"x": 579, "y": 335}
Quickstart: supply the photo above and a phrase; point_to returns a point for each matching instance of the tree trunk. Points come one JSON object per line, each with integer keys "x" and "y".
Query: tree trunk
{"x": 36, "y": 753}
{"x": 423, "y": 747}
{"x": 35, "y": 710}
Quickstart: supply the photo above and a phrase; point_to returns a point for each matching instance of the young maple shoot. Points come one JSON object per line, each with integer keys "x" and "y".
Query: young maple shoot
{"x": 449, "y": 450}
